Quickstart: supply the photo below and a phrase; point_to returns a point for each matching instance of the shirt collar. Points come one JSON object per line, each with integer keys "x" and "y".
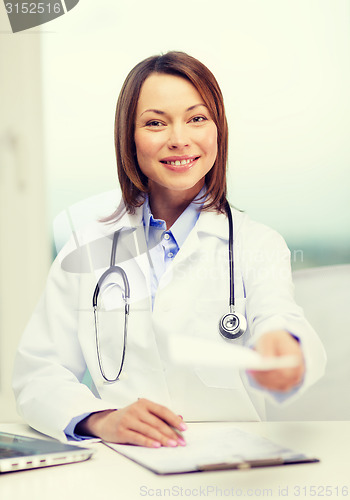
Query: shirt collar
{"x": 183, "y": 224}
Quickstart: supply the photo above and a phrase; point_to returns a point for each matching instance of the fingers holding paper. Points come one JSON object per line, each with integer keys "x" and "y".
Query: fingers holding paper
{"x": 142, "y": 423}
{"x": 276, "y": 344}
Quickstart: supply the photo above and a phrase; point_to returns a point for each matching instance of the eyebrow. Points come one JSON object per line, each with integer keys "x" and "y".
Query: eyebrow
{"x": 159, "y": 112}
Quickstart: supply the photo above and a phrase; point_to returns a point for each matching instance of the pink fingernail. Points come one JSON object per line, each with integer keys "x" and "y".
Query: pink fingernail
{"x": 172, "y": 442}
{"x": 156, "y": 444}
{"x": 181, "y": 442}
{"x": 183, "y": 426}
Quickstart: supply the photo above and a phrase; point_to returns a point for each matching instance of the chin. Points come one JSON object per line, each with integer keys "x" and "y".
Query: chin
{"x": 185, "y": 186}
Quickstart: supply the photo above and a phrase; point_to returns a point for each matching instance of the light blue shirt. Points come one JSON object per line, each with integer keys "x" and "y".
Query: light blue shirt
{"x": 163, "y": 244}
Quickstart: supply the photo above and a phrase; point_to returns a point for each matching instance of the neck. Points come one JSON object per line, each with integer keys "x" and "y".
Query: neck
{"x": 168, "y": 204}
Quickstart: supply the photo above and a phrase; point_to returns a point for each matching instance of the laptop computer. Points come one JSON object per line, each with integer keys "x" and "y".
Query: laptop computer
{"x": 21, "y": 453}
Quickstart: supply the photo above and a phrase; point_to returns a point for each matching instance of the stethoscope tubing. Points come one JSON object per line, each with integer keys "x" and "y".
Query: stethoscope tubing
{"x": 231, "y": 325}
{"x": 112, "y": 269}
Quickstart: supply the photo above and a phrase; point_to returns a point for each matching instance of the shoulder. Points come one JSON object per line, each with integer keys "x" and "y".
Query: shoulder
{"x": 88, "y": 240}
{"x": 255, "y": 235}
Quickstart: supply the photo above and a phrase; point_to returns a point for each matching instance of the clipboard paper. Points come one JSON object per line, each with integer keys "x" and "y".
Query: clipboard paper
{"x": 213, "y": 447}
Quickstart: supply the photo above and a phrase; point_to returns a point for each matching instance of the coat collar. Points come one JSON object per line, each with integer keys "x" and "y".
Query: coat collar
{"x": 125, "y": 220}
{"x": 209, "y": 223}
{"x": 213, "y": 223}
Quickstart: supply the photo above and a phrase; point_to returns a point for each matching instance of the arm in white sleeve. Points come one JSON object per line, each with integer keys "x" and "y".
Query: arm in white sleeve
{"x": 270, "y": 304}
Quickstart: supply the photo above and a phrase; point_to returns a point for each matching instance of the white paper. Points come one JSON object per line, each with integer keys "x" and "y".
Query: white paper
{"x": 213, "y": 445}
{"x": 189, "y": 350}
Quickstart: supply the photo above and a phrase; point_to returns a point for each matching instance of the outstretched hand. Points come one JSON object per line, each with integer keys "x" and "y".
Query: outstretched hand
{"x": 279, "y": 343}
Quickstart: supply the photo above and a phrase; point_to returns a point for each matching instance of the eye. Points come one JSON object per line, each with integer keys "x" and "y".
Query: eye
{"x": 154, "y": 123}
{"x": 198, "y": 119}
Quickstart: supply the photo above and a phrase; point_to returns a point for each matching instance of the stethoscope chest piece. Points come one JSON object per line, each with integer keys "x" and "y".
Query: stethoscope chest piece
{"x": 232, "y": 325}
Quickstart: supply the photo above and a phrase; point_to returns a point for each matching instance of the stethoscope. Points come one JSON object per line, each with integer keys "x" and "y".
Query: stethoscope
{"x": 232, "y": 325}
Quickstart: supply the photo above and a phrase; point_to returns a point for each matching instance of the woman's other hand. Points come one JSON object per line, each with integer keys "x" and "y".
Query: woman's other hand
{"x": 142, "y": 423}
{"x": 279, "y": 343}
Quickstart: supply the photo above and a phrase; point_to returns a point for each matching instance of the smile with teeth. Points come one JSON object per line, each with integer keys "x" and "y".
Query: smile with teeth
{"x": 180, "y": 162}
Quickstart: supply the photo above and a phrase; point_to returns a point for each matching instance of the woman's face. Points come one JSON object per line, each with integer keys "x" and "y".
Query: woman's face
{"x": 175, "y": 136}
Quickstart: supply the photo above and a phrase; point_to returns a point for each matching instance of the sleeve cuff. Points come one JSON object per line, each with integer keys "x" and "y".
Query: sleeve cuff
{"x": 274, "y": 396}
{"x": 69, "y": 430}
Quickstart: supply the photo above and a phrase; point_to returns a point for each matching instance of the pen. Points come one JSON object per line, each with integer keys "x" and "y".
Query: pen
{"x": 178, "y": 432}
{"x": 183, "y": 427}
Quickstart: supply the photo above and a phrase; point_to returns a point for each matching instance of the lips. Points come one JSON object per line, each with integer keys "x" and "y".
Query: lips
{"x": 179, "y": 163}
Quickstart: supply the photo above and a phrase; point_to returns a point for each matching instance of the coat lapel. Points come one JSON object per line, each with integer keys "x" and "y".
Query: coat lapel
{"x": 211, "y": 223}
{"x": 134, "y": 244}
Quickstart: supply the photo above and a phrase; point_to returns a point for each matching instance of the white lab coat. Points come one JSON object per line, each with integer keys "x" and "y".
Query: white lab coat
{"x": 58, "y": 344}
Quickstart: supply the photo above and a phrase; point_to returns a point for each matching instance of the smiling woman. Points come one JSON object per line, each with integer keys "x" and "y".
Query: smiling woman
{"x": 161, "y": 267}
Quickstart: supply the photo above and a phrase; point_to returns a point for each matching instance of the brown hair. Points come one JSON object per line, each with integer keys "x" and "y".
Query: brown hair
{"x": 132, "y": 181}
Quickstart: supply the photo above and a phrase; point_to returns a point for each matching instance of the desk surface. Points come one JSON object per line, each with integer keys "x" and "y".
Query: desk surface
{"x": 110, "y": 476}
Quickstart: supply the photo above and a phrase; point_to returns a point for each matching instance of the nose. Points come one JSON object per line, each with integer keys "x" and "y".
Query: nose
{"x": 178, "y": 136}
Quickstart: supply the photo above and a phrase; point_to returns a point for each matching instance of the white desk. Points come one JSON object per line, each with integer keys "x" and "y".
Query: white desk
{"x": 111, "y": 476}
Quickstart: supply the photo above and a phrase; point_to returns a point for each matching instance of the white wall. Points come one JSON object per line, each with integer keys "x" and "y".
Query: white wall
{"x": 24, "y": 239}
{"x": 284, "y": 69}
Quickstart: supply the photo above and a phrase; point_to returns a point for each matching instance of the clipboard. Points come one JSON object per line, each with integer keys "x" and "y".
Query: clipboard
{"x": 212, "y": 448}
